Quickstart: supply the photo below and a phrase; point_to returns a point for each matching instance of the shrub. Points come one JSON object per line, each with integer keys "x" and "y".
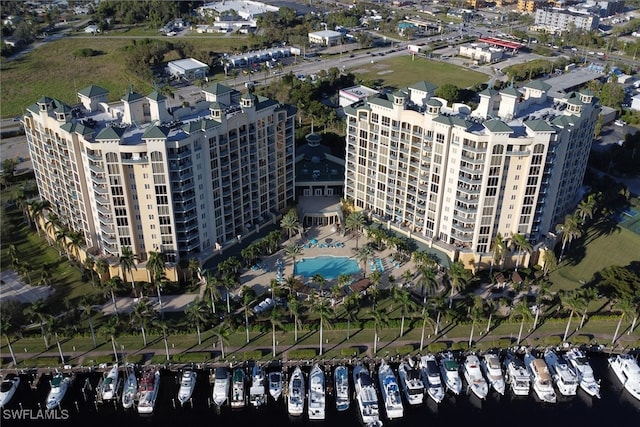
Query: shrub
{"x": 502, "y": 343}
{"x": 84, "y": 53}
{"x": 460, "y": 345}
{"x": 98, "y": 360}
{"x": 437, "y": 347}
{"x": 40, "y": 362}
{"x": 404, "y": 350}
{"x": 581, "y": 339}
{"x": 252, "y": 355}
{"x": 193, "y": 356}
{"x": 305, "y": 353}
{"x": 552, "y": 340}
{"x": 350, "y": 351}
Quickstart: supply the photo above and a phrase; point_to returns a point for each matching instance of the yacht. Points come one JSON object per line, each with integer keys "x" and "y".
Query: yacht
{"x": 317, "y": 397}
{"x": 473, "y": 376}
{"x": 626, "y": 368}
{"x": 411, "y": 382}
{"x": 492, "y": 370}
{"x": 130, "y": 389}
{"x": 366, "y": 397}
{"x": 257, "y": 393}
{"x": 390, "y": 391}
{"x": 148, "y": 391}
{"x": 580, "y": 363}
{"x": 540, "y": 378}
{"x": 516, "y": 375}
{"x": 187, "y": 385}
{"x": 431, "y": 377}
{"x": 110, "y": 384}
{"x": 221, "y": 386}
{"x": 275, "y": 384}
{"x": 450, "y": 374}
{"x": 238, "y": 388}
{"x": 59, "y": 384}
{"x": 562, "y": 373}
{"x": 341, "y": 387}
{"x": 8, "y": 388}
{"x": 295, "y": 396}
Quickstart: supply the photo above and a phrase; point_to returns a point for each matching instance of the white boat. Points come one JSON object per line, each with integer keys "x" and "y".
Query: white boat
{"x": 295, "y": 396}
{"x": 580, "y": 363}
{"x": 130, "y": 390}
{"x": 431, "y": 377}
{"x": 341, "y": 387}
{"x": 257, "y": 392}
{"x": 562, "y": 373}
{"x": 317, "y": 395}
{"x": 187, "y": 385}
{"x": 8, "y": 388}
{"x": 275, "y": 384}
{"x": 148, "y": 391}
{"x": 626, "y": 368}
{"x": 366, "y": 397}
{"x": 473, "y": 376}
{"x": 411, "y": 382}
{"x": 238, "y": 388}
{"x": 540, "y": 378}
{"x": 450, "y": 374}
{"x": 492, "y": 370}
{"x": 110, "y": 383}
{"x": 59, "y": 384}
{"x": 390, "y": 391}
{"x": 517, "y": 375}
{"x": 221, "y": 384}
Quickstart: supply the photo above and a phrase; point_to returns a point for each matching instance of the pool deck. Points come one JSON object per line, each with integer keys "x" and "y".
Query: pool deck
{"x": 260, "y": 279}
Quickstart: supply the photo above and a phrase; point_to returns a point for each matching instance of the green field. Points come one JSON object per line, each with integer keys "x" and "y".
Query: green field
{"x": 401, "y": 71}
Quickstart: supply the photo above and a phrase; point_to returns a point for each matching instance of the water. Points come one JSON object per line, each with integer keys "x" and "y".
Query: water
{"x": 616, "y": 408}
{"x": 330, "y": 267}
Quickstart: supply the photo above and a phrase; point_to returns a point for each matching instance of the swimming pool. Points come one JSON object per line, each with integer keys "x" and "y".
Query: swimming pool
{"x": 329, "y": 266}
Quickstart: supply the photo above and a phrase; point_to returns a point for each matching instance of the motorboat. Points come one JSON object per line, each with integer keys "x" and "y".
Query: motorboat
{"x": 110, "y": 383}
{"x": 390, "y": 391}
{"x": 341, "y": 387}
{"x": 238, "y": 388}
{"x": 626, "y": 368}
{"x": 540, "y": 378}
{"x": 317, "y": 394}
{"x": 8, "y": 388}
{"x": 517, "y": 375}
{"x": 450, "y": 374}
{"x": 366, "y": 397}
{"x": 59, "y": 384}
{"x": 411, "y": 382}
{"x": 187, "y": 385}
{"x": 275, "y": 384}
{"x": 473, "y": 376}
{"x": 582, "y": 367}
{"x": 562, "y": 373}
{"x": 130, "y": 389}
{"x": 490, "y": 365}
{"x": 257, "y": 393}
{"x": 430, "y": 373}
{"x": 148, "y": 391}
{"x": 221, "y": 385}
{"x": 295, "y": 396}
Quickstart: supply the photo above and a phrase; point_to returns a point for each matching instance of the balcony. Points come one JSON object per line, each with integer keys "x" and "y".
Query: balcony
{"x": 102, "y": 189}
{"x": 179, "y": 155}
{"x": 133, "y": 158}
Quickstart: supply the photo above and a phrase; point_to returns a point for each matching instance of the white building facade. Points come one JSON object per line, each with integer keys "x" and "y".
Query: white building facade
{"x": 455, "y": 178}
{"x": 556, "y": 20}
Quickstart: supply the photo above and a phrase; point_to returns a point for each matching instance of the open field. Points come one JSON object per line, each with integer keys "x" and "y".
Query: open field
{"x": 401, "y": 71}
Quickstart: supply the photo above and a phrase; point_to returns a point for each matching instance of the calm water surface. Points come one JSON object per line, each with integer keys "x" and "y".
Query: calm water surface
{"x": 616, "y": 408}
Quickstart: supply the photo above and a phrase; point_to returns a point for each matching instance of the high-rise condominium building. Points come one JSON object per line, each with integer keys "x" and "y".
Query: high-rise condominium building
{"x": 183, "y": 183}
{"x": 457, "y": 177}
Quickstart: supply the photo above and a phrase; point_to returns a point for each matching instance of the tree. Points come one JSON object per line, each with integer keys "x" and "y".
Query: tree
{"x": 319, "y": 280}
{"x": 522, "y": 311}
{"x": 363, "y": 254}
{"x": 522, "y": 245}
{"x": 498, "y": 252}
{"x": 196, "y": 314}
{"x": 164, "y": 330}
{"x": 293, "y": 251}
{"x": 110, "y": 331}
{"x": 570, "y": 230}
{"x": 403, "y": 299}
{"x": 352, "y": 307}
{"x": 229, "y": 281}
{"x": 86, "y": 311}
{"x": 550, "y": 261}
{"x": 89, "y": 264}
{"x": 128, "y": 262}
{"x": 276, "y": 323}
{"x": 7, "y": 325}
{"x": 448, "y": 91}
{"x": 474, "y": 314}
{"x": 212, "y": 284}
{"x": 141, "y": 315}
{"x": 570, "y": 301}
{"x": 380, "y": 320}
{"x": 458, "y": 278}
{"x": 290, "y": 223}
{"x": 586, "y": 208}
{"x": 112, "y": 285}
{"x": 248, "y": 295}
{"x": 428, "y": 282}
{"x": 102, "y": 267}
{"x": 221, "y": 332}
{"x": 294, "y": 308}
{"x": 155, "y": 266}
{"x": 194, "y": 267}
{"x": 320, "y": 307}
{"x": 426, "y": 318}
{"x": 36, "y": 312}
{"x": 354, "y": 223}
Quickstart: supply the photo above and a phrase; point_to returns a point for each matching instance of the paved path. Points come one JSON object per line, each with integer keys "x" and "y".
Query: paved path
{"x": 13, "y": 288}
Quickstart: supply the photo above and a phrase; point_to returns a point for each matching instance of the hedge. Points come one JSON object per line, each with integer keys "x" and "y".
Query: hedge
{"x": 305, "y": 353}
{"x": 350, "y": 351}
{"x": 437, "y": 347}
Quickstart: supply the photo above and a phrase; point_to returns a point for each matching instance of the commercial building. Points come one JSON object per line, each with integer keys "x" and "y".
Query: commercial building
{"x": 188, "y": 69}
{"x": 454, "y": 177}
{"x": 350, "y": 95}
{"x": 183, "y": 182}
{"x": 325, "y": 38}
{"x": 555, "y": 20}
{"x": 481, "y": 53}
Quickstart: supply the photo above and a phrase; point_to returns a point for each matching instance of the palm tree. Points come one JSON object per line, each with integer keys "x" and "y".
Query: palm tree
{"x": 290, "y": 223}
{"x": 586, "y": 207}
{"x": 196, "y": 314}
{"x": 128, "y": 262}
{"x": 293, "y": 251}
{"x": 89, "y": 264}
{"x": 570, "y": 230}
{"x": 248, "y": 295}
{"x": 626, "y": 306}
{"x": 212, "y": 284}
{"x": 276, "y": 323}
{"x": 140, "y": 316}
{"x": 61, "y": 241}
{"x": 51, "y": 226}
{"x": 221, "y": 332}
{"x": 294, "y": 308}
{"x": 363, "y": 254}
{"x": 427, "y": 281}
{"x": 499, "y": 250}
{"x": 155, "y": 266}
{"x": 289, "y": 283}
{"x": 194, "y": 266}
{"x": 110, "y": 331}
{"x": 406, "y": 306}
{"x": 571, "y": 302}
{"x": 550, "y": 261}
{"x": 86, "y": 311}
{"x": 112, "y": 285}
{"x": 352, "y": 307}
{"x": 319, "y": 280}
{"x": 164, "y": 330}
{"x": 102, "y": 267}
{"x": 522, "y": 244}
{"x": 458, "y": 278}
{"x": 354, "y": 224}
{"x": 586, "y": 295}
{"x": 36, "y": 313}
{"x": 7, "y": 325}
{"x": 380, "y": 320}
{"x": 75, "y": 244}
{"x": 229, "y": 281}
{"x": 321, "y": 308}
{"x": 474, "y": 314}
{"x": 521, "y": 310}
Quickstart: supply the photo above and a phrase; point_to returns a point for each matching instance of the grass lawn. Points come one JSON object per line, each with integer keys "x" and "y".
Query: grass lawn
{"x": 401, "y": 71}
